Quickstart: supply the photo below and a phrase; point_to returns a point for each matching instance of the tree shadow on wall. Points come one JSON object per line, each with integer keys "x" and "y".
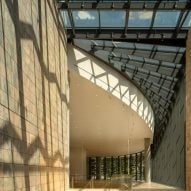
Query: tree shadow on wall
{"x": 8, "y": 133}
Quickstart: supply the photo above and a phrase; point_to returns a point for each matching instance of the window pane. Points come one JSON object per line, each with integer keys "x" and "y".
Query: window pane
{"x": 140, "y": 18}
{"x": 166, "y": 18}
{"x": 66, "y": 19}
{"x": 112, "y": 18}
{"x": 85, "y": 18}
{"x": 187, "y": 22}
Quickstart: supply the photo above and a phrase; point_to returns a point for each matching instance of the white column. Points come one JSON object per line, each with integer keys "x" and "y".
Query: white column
{"x": 78, "y": 162}
{"x": 147, "y": 160}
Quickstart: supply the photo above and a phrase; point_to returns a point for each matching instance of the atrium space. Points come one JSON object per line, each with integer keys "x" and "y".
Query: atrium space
{"x": 95, "y": 95}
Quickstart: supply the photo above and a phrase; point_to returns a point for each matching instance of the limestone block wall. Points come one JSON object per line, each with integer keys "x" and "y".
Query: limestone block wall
{"x": 188, "y": 112}
{"x": 34, "y": 97}
{"x": 78, "y": 163}
{"x": 168, "y": 166}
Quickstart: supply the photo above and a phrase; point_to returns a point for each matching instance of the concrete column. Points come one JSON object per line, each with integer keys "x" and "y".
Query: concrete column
{"x": 147, "y": 160}
{"x": 78, "y": 163}
{"x": 188, "y": 112}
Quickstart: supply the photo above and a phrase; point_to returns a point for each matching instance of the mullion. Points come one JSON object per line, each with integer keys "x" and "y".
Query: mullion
{"x": 159, "y": 87}
{"x": 146, "y": 61}
{"x": 149, "y": 73}
{"x": 100, "y": 46}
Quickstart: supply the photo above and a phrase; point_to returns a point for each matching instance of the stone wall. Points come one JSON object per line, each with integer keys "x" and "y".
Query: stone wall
{"x": 188, "y": 113}
{"x": 78, "y": 163}
{"x": 168, "y": 166}
{"x": 33, "y": 97}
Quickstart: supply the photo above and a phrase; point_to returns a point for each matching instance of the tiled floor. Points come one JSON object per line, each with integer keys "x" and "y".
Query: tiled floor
{"x": 153, "y": 186}
{"x": 140, "y": 186}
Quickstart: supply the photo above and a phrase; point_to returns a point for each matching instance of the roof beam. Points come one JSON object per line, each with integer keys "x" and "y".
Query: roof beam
{"x": 142, "y": 60}
{"x": 134, "y": 5}
{"x": 142, "y": 84}
{"x": 182, "y": 18}
{"x": 133, "y": 46}
{"x": 154, "y": 102}
{"x": 159, "y": 87}
{"x": 154, "y": 15}
{"x": 71, "y": 23}
{"x": 127, "y": 18}
{"x": 155, "y": 36}
{"x": 133, "y": 69}
{"x": 99, "y": 21}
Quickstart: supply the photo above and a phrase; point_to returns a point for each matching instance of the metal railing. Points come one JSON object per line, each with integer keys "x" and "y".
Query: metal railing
{"x": 123, "y": 182}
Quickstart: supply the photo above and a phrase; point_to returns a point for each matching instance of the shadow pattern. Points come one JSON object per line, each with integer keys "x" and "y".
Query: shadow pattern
{"x": 45, "y": 169}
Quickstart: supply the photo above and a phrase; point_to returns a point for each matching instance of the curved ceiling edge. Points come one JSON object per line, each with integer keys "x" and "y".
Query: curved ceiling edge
{"x": 112, "y": 81}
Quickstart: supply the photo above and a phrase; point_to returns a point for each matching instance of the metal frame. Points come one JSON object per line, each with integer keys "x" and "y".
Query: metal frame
{"x": 160, "y": 101}
{"x": 96, "y": 46}
{"x": 158, "y": 87}
{"x": 160, "y": 92}
{"x": 150, "y": 89}
{"x": 156, "y": 91}
{"x": 169, "y": 35}
{"x": 148, "y": 73}
{"x": 145, "y": 61}
{"x": 127, "y": 5}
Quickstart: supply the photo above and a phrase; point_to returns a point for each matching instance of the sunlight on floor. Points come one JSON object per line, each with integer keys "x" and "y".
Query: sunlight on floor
{"x": 136, "y": 186}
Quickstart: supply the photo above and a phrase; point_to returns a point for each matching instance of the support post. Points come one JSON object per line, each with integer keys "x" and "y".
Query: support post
{"x": 147, "y": 160}
{"x": 188, "y": 112}
{"x": 98, "y": 161}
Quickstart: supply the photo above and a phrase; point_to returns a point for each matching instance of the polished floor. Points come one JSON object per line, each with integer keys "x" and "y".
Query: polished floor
{"x": 140, "y": 186}
{"x": 153, "y": 186}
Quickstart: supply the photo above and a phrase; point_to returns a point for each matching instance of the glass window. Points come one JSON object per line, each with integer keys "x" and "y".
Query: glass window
{"x": 166, "y": 18}
{"x": 112, "y": 18}
{"x": 187, "y": 22}
{"x": 85, "y": 18}
{"x": 140, "y": 18}
{"x": 66, "y": 19}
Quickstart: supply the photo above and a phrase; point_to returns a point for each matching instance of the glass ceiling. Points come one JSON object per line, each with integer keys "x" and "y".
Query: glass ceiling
{"x": 126, "y": 19}
{"x": 120, "y": 20}
{"x": 117, "y": 19}
{"x": 154, "y": 68}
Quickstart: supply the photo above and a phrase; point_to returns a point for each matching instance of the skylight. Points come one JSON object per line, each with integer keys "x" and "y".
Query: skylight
{"x": 126, "y": 20}
{"x": 85, "y": 18}
{"x": 140, "y": 18}
{"x": 112, "y": 18}
{"x": 166, "y": 19}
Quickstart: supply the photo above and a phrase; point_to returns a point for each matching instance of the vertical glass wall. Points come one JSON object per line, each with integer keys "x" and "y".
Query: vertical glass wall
{"x": 103, "y": 168}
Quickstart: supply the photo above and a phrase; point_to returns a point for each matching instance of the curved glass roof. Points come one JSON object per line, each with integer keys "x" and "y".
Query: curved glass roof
{"x": 154, "y": 68}
{"x": 126, "y": 19}
{"x": 142, "y": 26}
{"x": 117, "y": 18}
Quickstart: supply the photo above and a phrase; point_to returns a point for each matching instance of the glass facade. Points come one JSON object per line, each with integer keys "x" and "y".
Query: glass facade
{"x": 156, "y": 69}
{"x": 85, "y": 18}
{"x": 112, "y": 19}
{"x": 104, "y": 168}
{"x": 133, "y": 19}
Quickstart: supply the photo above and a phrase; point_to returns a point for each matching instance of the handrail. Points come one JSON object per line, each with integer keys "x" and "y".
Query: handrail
{"x": 117, "y": 181}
